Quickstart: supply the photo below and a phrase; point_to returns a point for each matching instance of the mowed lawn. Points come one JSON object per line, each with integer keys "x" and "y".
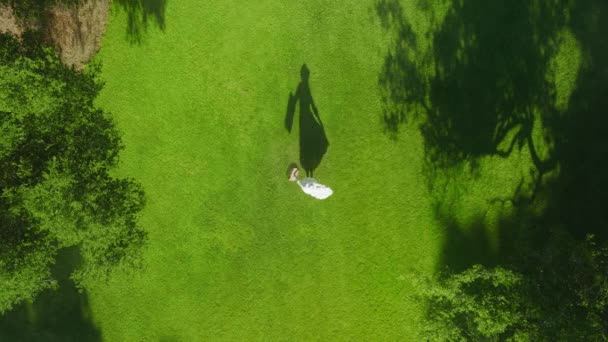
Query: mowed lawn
{"x": 235, "y": 251}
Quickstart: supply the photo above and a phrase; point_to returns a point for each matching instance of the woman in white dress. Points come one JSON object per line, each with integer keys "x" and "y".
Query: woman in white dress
{"x": 308, "y": 185}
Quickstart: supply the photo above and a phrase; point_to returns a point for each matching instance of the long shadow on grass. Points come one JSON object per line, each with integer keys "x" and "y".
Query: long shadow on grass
{"x": 313, "y": 141}
{"x": 479, "y": 91}
{"x": 56, "y": 315}
{"x": 139, "y": 14}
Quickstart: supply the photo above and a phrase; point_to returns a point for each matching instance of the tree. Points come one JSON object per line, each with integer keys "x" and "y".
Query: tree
{"x": 555, "y": 293}
{"x": 478, "y": 304}
{"x": 56, "y": 153}
{"x": 567, "y": 284}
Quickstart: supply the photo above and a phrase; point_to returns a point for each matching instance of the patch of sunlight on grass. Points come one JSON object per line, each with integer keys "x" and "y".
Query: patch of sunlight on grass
{"x": 480, "y": 191}
{"x": 235, "y": 251}
{"x": 565, "y": 67}
{"x": 470, "y": 191}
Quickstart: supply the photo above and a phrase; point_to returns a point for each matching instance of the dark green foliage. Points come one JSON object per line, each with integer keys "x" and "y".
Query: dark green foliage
{"x": 567, "y": 284}
{"x": 56, "y": 191}
{"x": 477, "y": 304}
{"x": 559, "y": 293}
{"x": 61, "y": 314}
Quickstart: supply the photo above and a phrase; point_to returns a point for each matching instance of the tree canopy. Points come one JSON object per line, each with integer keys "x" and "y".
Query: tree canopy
{"x": 558, "y": 293}
{"x": 56, "y": 191}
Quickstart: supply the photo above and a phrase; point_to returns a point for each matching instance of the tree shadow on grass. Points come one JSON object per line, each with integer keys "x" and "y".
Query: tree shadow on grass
{"x": 577, "y": 198}
{"x": 483, "y": 78}
{"x": 489, "y": 84}
{"x": 139, "y": 14}
{"x": 56, "y": 315}
{"x": 485, "y": 87}
{"x": 313, "y": 141}
{"x": 474, "y": 238}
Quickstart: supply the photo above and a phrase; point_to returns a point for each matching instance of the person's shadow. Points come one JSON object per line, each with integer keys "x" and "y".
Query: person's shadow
{"x": 313, "y": 141}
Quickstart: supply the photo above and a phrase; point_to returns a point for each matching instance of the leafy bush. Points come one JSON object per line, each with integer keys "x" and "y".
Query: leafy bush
{"x": 56, "y": 152}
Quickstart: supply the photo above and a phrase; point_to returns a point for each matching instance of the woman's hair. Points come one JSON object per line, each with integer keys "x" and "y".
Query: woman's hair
{"x": 290, "y": 169}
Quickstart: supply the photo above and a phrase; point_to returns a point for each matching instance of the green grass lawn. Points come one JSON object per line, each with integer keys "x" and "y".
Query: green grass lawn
{"x": 235, "y": 251}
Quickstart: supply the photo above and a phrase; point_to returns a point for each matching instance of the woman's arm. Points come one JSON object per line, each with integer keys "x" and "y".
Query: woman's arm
{"x": 291, "y": 111}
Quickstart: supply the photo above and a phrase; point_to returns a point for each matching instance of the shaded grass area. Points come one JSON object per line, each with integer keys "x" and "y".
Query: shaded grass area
{"x": 56, "y": 315}
{"x": 498, "y": 81}
{"x": 509, "y": 98}
{"x": 139, "y": 15}
{"x": 235, "y": 250}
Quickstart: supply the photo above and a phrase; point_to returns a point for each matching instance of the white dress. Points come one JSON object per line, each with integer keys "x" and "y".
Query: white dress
{"x": 314, "y": 189}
